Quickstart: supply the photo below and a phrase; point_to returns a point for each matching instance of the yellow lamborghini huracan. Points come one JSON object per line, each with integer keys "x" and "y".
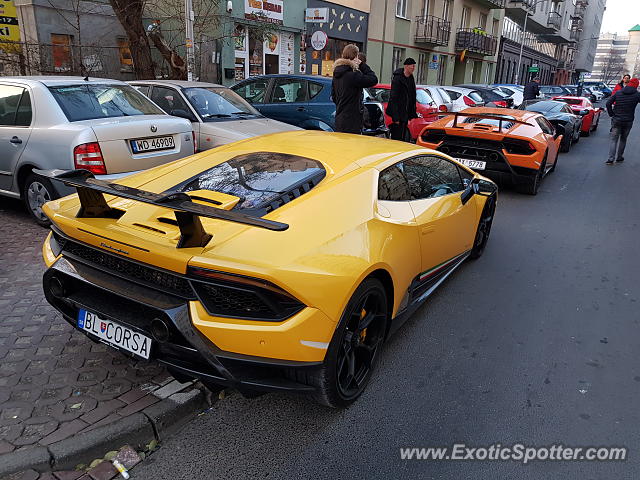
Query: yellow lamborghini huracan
{"x": 280, "y": 262}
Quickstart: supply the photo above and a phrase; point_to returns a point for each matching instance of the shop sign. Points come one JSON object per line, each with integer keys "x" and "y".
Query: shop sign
{"x": 271, "y": 11}
{"x": 9, "y": 29}
{"x": 319, "y": 40}
{"x": 316, "y": 15}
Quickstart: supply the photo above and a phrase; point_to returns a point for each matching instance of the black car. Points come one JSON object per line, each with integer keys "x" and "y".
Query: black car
{"x": 490, "y": 95}
{"x": 561, "y": 116}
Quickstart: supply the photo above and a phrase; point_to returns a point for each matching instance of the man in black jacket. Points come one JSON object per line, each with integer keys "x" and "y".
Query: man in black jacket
{"x": 402, "y": 100}
{"x": 531, "y": 89}
{"x": 350, "y": 76}
{"x": 621, "y": 108}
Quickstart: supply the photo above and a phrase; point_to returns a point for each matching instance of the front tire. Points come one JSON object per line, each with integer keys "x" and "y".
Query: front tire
{"x": 37, "y": 191}
{"x": 353, "y": 351}
{"x": 484, "y": 228}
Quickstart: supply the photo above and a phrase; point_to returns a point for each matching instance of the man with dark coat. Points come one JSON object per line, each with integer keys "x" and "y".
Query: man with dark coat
{"x": 350, "y": 76}
{"x": 402, "y": 100}
{"x": 531, "y": 89}
{"x": 621, "y": 107}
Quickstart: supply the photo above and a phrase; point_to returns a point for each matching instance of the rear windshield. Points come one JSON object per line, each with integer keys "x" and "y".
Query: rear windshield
{"x": 491, "y": 121}
{"x": 541, "y": 106}
{"x": 476, "y": 97}
{"x": 570, "y": 101}
{"x": 262, "y": 180}
{"x": 216, "y": 102}
{"x": 423, "y": 97}
{"x": 380, "y": 94}
{"x": 91, "y": 101}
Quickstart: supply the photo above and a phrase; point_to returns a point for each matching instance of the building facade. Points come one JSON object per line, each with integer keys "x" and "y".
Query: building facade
{"x": 611, "y": 53}
{"x": 452, "y": 41}
{"x": 589, "y": 22}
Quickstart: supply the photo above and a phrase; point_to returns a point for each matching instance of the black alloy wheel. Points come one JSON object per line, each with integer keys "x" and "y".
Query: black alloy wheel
{"x": 532, "y": 186}
{"x": 484, "y": 228}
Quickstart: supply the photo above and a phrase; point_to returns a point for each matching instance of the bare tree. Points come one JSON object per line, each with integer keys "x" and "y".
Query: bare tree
{"x": 613, "y": 67}
{"x": 129, "y": 13}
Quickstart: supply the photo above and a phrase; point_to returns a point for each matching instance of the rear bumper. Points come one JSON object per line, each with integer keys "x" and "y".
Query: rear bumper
{"x": 184, "y": 348}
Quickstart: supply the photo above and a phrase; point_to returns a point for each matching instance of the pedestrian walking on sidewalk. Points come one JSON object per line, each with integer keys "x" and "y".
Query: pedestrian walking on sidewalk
{"x": 532, "y": 89}
{"x": 621, "y": 108}
{"x": 402, "y": 100}
{"x": 350, "y": 76}
{"x": 623, "y": 83}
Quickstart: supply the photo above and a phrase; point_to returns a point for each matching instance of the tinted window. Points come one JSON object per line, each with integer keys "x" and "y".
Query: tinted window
{"x": 393, "y": 185}
{"x": 570, "y": 101}
{"x": 567, "y": 109}
{"x": 423, "y": 97}
{"x": 541, "y": 107}
{"x": 217, "y": 102}
{"x": 466, "y": 176}
{"x": 491, "y": 121}
{"x": 314, "y": 89}
{"x": 545, "y": 125}
{"x": 252, "y": 92}
{"x": 432, "y": 177}
{"x": 454, "y": 95}
{"x": 380, "y": 94}
{"x": 23, "y": 115}
{"x": 143, "y": 89}
{"x": 257, "y": 178}
{"x": 168, "y": 99}
{"x": 9, "y": 100}
{"x": 289, "y": 90}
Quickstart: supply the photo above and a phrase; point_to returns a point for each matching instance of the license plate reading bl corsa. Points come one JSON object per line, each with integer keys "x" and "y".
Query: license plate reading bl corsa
{"x": 114, "y": 334}
{"x": 151, "y": 144}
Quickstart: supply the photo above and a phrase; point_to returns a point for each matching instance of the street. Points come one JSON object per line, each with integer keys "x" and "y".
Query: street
{"x": 534, "y": 343}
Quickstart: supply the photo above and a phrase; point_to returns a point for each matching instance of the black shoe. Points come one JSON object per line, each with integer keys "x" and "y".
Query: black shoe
{"x": 609, "y": 162}
{"x": 620, "y": 160}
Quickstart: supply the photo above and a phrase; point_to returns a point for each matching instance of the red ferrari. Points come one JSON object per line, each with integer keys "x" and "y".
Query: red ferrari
{"x": 582, "y": 106}
{"x": 425, "y": 106}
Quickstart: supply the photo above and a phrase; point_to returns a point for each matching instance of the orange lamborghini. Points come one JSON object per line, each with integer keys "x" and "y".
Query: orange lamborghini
{"x": 507, "y": 145}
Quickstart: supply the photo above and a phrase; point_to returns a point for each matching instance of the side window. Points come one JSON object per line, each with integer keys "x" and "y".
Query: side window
{"x": 431, "y": 176}
{"x": 466, "y": 177}
{"x": 453, "y": 95}
{"x": 9, "y": 100}
{"x": 24, "y": 113}
{"x": 314, "y": 89}
{"x": 168, "y": 99}
{"x": 143, "y": 89}
{"x": 545, "y": 125}
{"x": 289, "y": 90}
{"x": 588, "y": 104}
{"x": 423, "y": 97}
{"x": 252, "y": 92}
{"x": 393, "y": 185}
{"x": 566, "y": 109}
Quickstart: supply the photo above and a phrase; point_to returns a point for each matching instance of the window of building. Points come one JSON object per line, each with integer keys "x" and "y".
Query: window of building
{"x": 466, "y": 13}
{"x": 442, "y": 69}
{"x": 422, "y": 68}
{"x": 126, "y": 60}
{"x": 483, "y": 21}
{"x": 496, "y": 26}
{"x": 446, "y": 9}
{"x": 61, "y": 52}
{"x": 401, "y": 8}
{"x": 398, "y": 56}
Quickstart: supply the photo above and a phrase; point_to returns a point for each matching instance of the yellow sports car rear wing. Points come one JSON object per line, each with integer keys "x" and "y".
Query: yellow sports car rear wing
{"x": 93, "y": 205}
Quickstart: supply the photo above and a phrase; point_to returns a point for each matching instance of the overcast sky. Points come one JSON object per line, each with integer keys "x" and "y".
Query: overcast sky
{"x": 621, "y": 15}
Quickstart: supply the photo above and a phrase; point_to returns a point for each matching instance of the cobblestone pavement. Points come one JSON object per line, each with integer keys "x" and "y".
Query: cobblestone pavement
{"x": 54, "y": 381}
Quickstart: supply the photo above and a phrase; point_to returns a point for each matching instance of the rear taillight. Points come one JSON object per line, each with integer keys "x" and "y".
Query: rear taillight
{"x": 468, "y": 101}
{"x": 432, "y": 135}
{"x": 88, "y": 156}
{"x": 501, "y": 103}
{"x": 518, "y": 147}
{"x": 443, "y": 108}
{"x": 195, "y": 145}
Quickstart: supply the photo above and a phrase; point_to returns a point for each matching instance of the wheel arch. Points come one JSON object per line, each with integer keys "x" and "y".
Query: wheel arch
{"x": 23, "y": 172}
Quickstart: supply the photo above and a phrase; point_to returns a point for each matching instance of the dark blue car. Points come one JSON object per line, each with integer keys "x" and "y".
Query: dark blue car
{"x": 303, "y": 101}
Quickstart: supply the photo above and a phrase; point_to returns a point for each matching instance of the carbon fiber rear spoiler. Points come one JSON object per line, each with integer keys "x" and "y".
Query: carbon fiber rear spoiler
{"x": 488, "y": 116}
{"x": 93, "y": 205}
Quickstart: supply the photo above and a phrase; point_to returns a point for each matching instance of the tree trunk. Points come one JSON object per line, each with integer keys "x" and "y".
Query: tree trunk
{"x": 129, "y": 13}
{"x": 175, "y": 61}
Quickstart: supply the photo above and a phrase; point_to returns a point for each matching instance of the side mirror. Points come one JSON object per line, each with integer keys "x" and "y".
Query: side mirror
{"x": 178, "y": 112}
{"x": 584, "y": 112}
{"x": 478, "y": 186}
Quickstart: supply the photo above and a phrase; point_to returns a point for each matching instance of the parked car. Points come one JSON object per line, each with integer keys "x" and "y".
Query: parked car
{"x": 517, "y": 146}
{"x": 593, "y": 94}
{"x": 218, "y": 114}
{"x": 548, "y": 91}
{"x": 271, "y": 290}
{"x": 442, "y": 100}
{"x": 104, "y": 126}
{"x": 464, "y": 98}
{"x": 558, "y": 113}
{"x": 600, "y": 86}
{"x": 425, "y": 107}
{"x": 304, "y": 101}
{"x": 491, "y": 96}
{"x": 513, "y": 91}
{"x": 582, "y": 106}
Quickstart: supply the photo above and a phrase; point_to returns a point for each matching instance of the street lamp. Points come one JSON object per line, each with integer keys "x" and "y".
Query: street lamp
{"x": 524, "y": 32}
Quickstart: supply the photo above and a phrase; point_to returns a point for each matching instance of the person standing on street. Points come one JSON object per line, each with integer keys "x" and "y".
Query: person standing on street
{"x": 623, "y": 83}
{"x": 350, "y": 76}
{"x": 402, "y": 100}
{"x": 621, "y": 108}
{"x": 531, "y": 89}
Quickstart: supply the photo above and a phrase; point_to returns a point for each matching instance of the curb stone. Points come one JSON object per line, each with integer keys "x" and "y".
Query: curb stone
{"x": 155, "y": 422}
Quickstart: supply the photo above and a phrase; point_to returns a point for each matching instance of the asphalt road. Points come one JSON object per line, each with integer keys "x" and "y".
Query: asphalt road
{"x": 537, "y": 342}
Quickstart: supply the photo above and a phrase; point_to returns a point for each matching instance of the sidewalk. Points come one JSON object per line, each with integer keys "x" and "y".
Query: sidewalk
{"x": 58, "y": 386}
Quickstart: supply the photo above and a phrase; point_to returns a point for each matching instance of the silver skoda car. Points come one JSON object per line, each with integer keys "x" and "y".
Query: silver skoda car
{"x": 218, "y": 114}
{"x": 104, "y": 126}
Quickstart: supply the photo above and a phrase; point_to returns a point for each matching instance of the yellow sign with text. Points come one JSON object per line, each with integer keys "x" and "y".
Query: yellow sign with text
{"x": 9, "y": 28}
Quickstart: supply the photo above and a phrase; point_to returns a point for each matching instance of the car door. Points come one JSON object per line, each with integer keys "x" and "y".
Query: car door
{"x": 320, "y": 108}
{"x": 553, "y": 144}
{"x": 253, "y": 91}
{"x": 15, "y": 129}
{"x": 287, "y": 101}
{"x": 446, "y": 226}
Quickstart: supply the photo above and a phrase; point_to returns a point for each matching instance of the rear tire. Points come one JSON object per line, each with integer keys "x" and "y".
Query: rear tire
{"x": 36, "y": 191}
{"x": 484, "y": 228}
{"x": 565, "y": 146}
{"x": 595, "y": 127}
{"x": 531, "y": 188}
{"x": 354, "y": 348}
{"x": 577, "y": 137}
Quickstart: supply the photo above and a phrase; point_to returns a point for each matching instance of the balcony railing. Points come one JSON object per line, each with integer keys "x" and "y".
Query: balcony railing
{"x": 575, "y": 34}
{"x": 430, "y": 29}
{"x": 492, "y": 3}
{"x": 582, "y": 3}
{"x": 476, "y": 40}
{"x": 526, "y": 4}
{"x": 554, "y": 20}
{"x": 561, "y": 65}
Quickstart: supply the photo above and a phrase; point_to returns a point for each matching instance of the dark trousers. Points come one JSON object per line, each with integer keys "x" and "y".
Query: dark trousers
{"x": 618, "y": 139}
{"x": 400, "y": 131}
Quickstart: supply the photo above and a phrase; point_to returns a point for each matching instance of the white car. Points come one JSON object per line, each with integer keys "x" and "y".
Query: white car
{"x": 104, "y": 126}
{"x": 464, "y": 98}
{"x": 443, "y": 102}
{"x": 218, "y": 114}
{"x": 517, "y": 93}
